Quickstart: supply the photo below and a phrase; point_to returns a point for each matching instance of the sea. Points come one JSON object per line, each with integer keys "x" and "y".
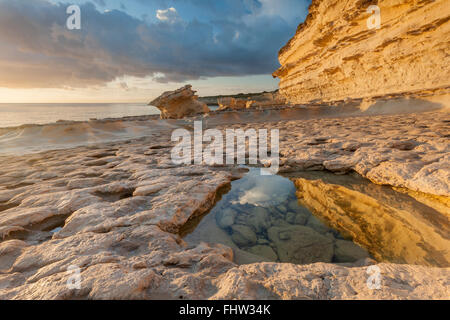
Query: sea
{"x": 17, "y": 114}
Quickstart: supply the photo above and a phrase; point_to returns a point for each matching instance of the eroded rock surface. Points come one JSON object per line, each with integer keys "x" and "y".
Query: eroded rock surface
{"x": 179, "y": 104}
{"x": 325, "y": 281}
{"x": 114, "y": 210}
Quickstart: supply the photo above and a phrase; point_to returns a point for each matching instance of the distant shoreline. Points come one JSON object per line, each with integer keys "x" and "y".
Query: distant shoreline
{"x": 212, "y": 100}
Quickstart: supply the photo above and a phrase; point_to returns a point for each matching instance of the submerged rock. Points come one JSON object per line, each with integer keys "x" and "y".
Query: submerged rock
{"x": 302, "y": 245}
{"x": 264, "y": 251}
{"x": 179, "y": 104}
{"x": 259, "y": 219}
{"x": 347, "y": 251}
{"x": 296, "y": 218}
{"x": 317, "y": 225}
{"x": 243, "y": 236}
{"x": 225, "y": 218}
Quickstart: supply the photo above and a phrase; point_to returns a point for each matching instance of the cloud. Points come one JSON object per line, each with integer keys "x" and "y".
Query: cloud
{"x": 37, "y": 51}
{"x": 124, "y": 86}
{"x": 100, "y": 2}
{"x": 169, "y": 15}
{"x": 264, "y": 191}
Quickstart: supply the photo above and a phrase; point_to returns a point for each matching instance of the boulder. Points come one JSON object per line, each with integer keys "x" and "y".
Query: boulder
{"x": 179, "y": 104}
{"x": 225, "y": 218}
{"x": 296, "y": 218}
{"x": 259, "y": 219}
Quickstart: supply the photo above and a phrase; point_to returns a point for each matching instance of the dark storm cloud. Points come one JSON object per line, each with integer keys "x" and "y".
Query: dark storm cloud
{"x": 37, "y": 50}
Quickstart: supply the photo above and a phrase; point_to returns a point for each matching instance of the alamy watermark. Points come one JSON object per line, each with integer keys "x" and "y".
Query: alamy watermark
{"x": 73, "y": 22}
{"x": 374, "y": 280}
{"x": 374, "y": 21}
{"x": 74, "y": 280}
{"x": 235, "y": 146}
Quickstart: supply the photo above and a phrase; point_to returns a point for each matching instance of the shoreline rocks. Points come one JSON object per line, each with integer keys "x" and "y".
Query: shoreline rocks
{"x": 179, "y": 104}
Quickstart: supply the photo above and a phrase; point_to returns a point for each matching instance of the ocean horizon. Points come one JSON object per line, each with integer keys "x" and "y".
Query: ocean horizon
{"x": 17, "y": 114}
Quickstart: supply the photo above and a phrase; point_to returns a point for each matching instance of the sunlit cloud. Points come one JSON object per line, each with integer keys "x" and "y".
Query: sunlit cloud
{"x": 188, "y": 41}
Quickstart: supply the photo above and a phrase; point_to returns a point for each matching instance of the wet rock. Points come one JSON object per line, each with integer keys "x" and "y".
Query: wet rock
{"x": 263, "y": 241}
{"x": 296, "y": 218}
{"x": 317, "y": 225}
{"x": 302, "y": 245}
{"x": 280, "y": 222}
{"x": 243, "y": 257}
{"x": 225, "y": 218}
{"x": 285, "y": 235}
{"x": 290, "y": 217}
{"x": 259, "y": 219}
{"x": 243, "y": 236}
{"x": 330, "y": 235}
{"x": 347, "y": 251}
{"x": 264, "y": 251}
{"x": 300, "y": 219}
{"x": 293, "y": 205}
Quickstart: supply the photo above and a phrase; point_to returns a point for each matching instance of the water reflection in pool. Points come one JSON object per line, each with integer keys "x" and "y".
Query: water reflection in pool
{"x": 311, "y": 217}
{"x": 261, "y": 219}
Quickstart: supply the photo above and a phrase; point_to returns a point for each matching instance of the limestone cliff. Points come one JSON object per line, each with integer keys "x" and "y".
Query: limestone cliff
{"x": 334, "y": 55}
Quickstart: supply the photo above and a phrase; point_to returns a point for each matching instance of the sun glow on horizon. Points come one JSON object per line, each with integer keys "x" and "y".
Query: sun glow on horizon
{"x": 137, "y": 90}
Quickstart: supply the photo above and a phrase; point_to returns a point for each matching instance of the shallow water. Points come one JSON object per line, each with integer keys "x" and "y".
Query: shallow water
{"x": 320, "y": 217}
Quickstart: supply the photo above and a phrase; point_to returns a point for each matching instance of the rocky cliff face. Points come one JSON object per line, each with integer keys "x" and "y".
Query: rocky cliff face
{"x": 336, "y": 54}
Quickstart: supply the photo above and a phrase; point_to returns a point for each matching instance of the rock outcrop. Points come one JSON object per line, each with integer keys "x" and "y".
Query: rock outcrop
{"x": 264, "y": 100}
{"x": 405, "y": 151}
{"x": 335, "y": 55}
{"x": 179, "y": 104}
{"x": 233, "y": 104}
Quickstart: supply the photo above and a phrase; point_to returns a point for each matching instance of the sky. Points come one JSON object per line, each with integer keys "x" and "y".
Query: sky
{"x": 133, "y": 50}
